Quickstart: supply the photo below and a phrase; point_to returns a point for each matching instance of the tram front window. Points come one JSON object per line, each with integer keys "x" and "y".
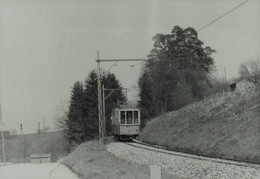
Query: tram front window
{"x": 122, "y": 117}
{"x": 129, "y": 117}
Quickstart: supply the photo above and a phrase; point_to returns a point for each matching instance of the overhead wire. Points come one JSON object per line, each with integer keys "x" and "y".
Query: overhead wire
{"x": 15, "y": 121}
{"x": 114, "y": 64}
{"x": 130, "y": 72}
{"x": 139, "y": 63}
{"x": 133, "y": 66}
{"x": 222, "y": 15}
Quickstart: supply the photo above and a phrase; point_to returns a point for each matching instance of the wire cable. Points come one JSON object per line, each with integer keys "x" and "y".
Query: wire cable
{"x": 105, "y": 72}
{"x": 15, "y": 121}
{"x": 223, "y": 15}
{"x": 129, "y": 74}
{"x": 133, "y": 66}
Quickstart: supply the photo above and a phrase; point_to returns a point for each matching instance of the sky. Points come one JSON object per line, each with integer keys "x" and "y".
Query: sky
{"x": 48, "y": 45}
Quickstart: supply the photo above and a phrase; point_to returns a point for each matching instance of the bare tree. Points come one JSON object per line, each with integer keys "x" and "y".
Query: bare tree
{"x": 61, "y": 116}
{"x": 250, "y": 71}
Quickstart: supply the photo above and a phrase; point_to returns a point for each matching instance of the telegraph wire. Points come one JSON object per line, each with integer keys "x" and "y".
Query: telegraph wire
{"x": 15, "y": 121}
{"x": 222, "y": 15}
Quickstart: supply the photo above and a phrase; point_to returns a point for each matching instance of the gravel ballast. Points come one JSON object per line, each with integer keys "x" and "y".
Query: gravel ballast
{"x": 183, "y": 166}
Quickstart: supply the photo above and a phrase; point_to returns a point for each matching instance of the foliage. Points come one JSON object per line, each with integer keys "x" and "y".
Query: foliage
{"x": 146, "y": 99}
{"x": 250, "y": 71}
{"x": 176, "y": 72}
{"x": 73, "y": 125}
{"x": 82, "y": 123}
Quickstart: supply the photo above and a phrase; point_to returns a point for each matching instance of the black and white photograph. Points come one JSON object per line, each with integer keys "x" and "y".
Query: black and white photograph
{"x": 129, "y": 89}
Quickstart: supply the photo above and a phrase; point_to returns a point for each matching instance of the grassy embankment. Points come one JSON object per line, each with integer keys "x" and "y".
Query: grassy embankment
{"x": 46, "y": 142}
{"x": 222, "y": 126}
{"x": 91, "y": 160}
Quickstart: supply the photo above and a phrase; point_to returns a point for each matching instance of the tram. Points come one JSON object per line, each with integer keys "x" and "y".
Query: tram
{"x": 125, "y": 122}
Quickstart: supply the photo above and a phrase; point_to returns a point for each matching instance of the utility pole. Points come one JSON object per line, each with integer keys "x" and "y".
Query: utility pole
{"x": 43, "y": 123}
{"x": 101, "y": 95}
{"x": 2, "y": 134}
{"x": 225, "y": 70}
{"x": 23, "y": 140}
{"x": 39, "y": 138}
{"x": 22, "y": 147}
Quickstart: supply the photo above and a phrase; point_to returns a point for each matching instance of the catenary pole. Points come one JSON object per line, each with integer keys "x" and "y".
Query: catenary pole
{"x": 103, "y": 111}
{"x": 39, "y": 138}
{"x": 100, "y": 107}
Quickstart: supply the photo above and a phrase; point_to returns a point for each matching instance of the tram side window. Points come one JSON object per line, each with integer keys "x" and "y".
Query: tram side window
{"x": 113, "y": 117}
{"x": 129, "y": 117}
{"x": 122, "y": 117}
{"x": 135, "y": 117}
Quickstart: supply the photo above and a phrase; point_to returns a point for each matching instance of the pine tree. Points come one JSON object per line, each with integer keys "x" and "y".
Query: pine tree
{"x": 74, "y": 115}
{"x": 82, "y": 120}
{"x": 110, "y": 82}
{"x": 91, "y": 107}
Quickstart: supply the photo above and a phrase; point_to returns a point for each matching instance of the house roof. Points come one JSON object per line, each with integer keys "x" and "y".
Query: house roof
{"x": 236, "y": 80}
{"x": 40, "y": 156}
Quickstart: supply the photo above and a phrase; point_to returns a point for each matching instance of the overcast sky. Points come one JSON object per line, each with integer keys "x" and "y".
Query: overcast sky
{"x": 47, "y": 45}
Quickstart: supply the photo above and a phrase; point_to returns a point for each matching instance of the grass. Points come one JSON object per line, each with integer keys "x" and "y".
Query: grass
{"x": 91, "y": 160}
{"x": 222, "y": 126}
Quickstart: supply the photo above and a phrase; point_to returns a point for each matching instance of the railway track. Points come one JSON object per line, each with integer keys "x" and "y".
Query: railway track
{"x": 139, "y": 144}
{"x": 183, "y": 165}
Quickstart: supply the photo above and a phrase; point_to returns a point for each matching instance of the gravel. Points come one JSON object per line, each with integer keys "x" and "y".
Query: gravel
{"x": 195, "y": 167}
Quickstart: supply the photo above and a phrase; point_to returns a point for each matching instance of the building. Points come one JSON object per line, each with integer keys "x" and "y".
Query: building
{"x": 40, "y": 158}
{"x": 239, "y": 85}
{"x": 5, "y": 133}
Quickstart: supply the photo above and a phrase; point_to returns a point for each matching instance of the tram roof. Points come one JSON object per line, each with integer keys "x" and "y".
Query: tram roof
{"x": 129, "y": 107}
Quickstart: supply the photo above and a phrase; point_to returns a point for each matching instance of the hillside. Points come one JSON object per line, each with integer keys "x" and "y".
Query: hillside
{"x": 222, "y": 126}
{"x": 46, "y": 142}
